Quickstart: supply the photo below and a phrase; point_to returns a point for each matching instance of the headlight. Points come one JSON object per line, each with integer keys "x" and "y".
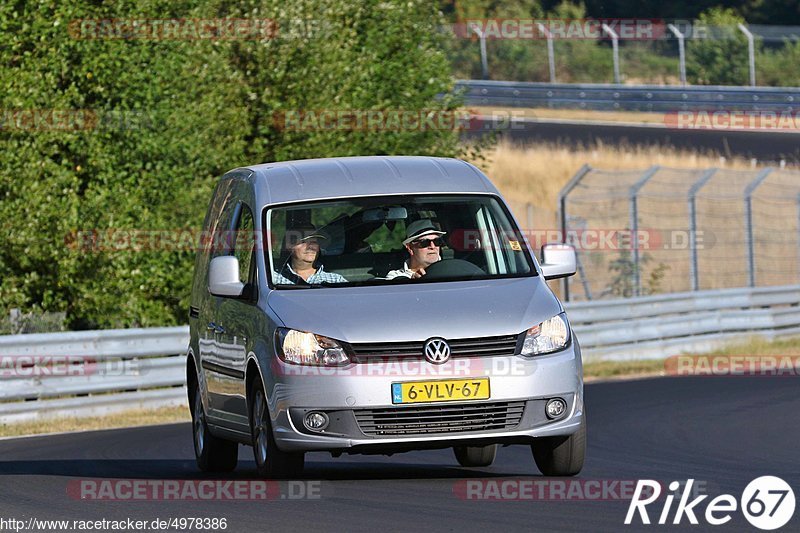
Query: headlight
{"x": 549, "y": 336}
{"x": 302, "y": 348}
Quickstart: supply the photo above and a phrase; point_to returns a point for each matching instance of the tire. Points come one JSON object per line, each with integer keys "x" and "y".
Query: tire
{"x": 561, "y": 456}
{"x": 213, "y": 454}
{"x": 271, "y": 462}
{"x": 475, "y": 455}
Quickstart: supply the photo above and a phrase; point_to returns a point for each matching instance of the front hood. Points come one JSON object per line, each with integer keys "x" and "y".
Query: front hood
{"x": 410, "y": 312}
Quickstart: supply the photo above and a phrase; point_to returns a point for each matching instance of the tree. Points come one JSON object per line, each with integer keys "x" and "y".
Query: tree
{"x": 164, "y": 119}
{"x": 720, "y": 58}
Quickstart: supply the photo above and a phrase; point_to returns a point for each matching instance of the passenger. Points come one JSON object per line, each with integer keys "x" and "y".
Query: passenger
{"x": 302, "y": 266}
{"x": 424, "y": 244}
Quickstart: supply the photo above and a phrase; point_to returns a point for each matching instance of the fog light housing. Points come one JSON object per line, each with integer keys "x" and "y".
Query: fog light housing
{"x": 316, "y": 421}
{"x": 555, "y": 408}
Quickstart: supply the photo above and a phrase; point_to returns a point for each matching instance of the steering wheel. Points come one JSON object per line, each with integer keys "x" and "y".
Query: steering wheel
{"x": 452, "y": 268}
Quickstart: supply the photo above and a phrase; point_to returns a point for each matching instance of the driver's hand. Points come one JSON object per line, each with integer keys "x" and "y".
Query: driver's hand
{"x": 418, "y": 273}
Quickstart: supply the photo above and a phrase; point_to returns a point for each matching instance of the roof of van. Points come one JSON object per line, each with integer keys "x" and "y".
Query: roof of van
{"x": 311, "y": 179}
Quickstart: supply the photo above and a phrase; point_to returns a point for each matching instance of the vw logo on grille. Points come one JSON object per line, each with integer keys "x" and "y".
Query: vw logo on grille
{"x": 437, "y": 351}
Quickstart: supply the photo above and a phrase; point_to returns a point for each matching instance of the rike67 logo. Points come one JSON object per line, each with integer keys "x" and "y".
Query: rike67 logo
{"x": 767, "y": 502}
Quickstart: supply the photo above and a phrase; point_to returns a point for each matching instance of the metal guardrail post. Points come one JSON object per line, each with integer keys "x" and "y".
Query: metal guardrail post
{"x": 634, "y": 214}
{"x": 748, "y": 213}
{"x": 681, "y": 51}
{"x": 615, "y": 46}
{"x": 562, "y": 202}
{"x": 551, "y": 56}
{"x": 750, "y": 52}
{"x": 693, "y": 267}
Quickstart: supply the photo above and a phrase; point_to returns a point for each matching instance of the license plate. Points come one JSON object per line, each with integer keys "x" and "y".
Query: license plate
{"x": 449, "y": 390}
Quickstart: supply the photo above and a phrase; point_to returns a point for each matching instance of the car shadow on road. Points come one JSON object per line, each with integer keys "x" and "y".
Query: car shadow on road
{"x": 187, "y": 469}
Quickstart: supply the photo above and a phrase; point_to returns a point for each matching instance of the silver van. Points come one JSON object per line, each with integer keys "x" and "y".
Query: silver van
{"x": 377, "y": 305}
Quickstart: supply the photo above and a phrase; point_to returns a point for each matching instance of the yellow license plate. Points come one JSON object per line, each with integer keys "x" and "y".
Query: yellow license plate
{"x": 449, "y": 390}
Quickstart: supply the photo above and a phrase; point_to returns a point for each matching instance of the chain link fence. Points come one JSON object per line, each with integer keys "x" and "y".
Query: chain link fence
{"x": 664, "y": 230}
{"x": 499, "y": 49}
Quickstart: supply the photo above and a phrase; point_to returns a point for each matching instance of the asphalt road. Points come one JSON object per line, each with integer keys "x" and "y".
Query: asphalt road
{"x": 766, "y": 146}
{"x": 723, "y": 432}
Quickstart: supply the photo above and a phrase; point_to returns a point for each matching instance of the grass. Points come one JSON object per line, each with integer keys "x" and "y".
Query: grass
{"x": 618, "y": 369}
{"x": 756, "y": 346}
{"x": 133, "y": 418}
{"x": 638, "y": 117}
{"x": 536, "y": 173}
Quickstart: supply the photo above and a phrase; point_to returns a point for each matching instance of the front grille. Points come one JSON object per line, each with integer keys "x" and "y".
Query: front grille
{"x": 440, "y": 418}
{"x": 474, "y": 347}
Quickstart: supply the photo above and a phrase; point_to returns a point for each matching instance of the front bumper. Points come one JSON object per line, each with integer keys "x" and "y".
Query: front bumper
{"x": 345, "y": 394}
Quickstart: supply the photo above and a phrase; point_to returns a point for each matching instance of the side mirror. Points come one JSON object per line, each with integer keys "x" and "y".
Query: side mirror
{"x": 223, "y": 277}
{"x": 558, "y": 261}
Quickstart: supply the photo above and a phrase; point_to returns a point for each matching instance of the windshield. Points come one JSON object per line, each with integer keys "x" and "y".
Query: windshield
{"x": 397, "y": 239}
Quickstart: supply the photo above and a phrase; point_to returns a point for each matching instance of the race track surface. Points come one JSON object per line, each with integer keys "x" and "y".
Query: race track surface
{"x": 722, "y": 431}
{"x": 766, "y": 146}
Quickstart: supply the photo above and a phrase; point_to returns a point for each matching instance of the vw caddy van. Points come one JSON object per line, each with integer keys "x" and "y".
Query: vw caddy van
{"x": 375, "y": 305}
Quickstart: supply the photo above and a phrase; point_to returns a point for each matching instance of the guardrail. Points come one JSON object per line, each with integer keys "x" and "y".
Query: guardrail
{"x": 86, "y": 373}
{"x": 610, "y": 97}
{"x": 100, "y": 372}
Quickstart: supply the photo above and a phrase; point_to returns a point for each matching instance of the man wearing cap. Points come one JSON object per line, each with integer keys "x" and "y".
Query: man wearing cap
{"x": 302, "y": 266}
{"x": 424, "y": 244}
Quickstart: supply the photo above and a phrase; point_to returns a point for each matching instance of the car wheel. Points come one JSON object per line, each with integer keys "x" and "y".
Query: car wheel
{"x": 561, "y": 456}
{"x": 270, "y": 461}
{"x": 475, "y": 455}
{"x": 213, "y": 454}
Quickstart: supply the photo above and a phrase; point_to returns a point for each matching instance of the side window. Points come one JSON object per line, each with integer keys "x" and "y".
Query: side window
{"x": 219, "y": 230}
{"x": 244, "y": 244}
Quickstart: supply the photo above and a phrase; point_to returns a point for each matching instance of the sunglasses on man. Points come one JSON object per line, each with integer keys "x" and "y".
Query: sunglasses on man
{"x": 425, "y": 243}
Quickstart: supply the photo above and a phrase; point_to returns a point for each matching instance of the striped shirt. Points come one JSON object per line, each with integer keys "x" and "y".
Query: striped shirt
{"x": 288, "y": 276}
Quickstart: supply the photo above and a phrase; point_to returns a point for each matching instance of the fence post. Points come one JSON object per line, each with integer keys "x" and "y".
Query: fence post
{"x": 634, "y": 214}
{"x": 484, "y": 59}
{"x": 751, "y": 53}
{"x": 562, "y": 202}
{"x": 681, "y": 52}
{"x": 748, "y": 213}
{"x": 707, "y": 175}
{"x": 551, "y": 56}
{"x": 615, "y": 46}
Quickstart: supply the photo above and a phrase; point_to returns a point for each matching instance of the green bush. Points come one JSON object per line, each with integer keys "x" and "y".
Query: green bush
{"x": 183, "y": 112}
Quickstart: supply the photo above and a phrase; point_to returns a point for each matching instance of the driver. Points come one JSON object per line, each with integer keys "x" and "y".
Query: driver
{"x": 423, "y": 243}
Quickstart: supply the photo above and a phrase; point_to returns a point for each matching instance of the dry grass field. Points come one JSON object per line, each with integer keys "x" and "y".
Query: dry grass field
{"x": 536, "y": 173}
{"x": 637, "y": 117}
